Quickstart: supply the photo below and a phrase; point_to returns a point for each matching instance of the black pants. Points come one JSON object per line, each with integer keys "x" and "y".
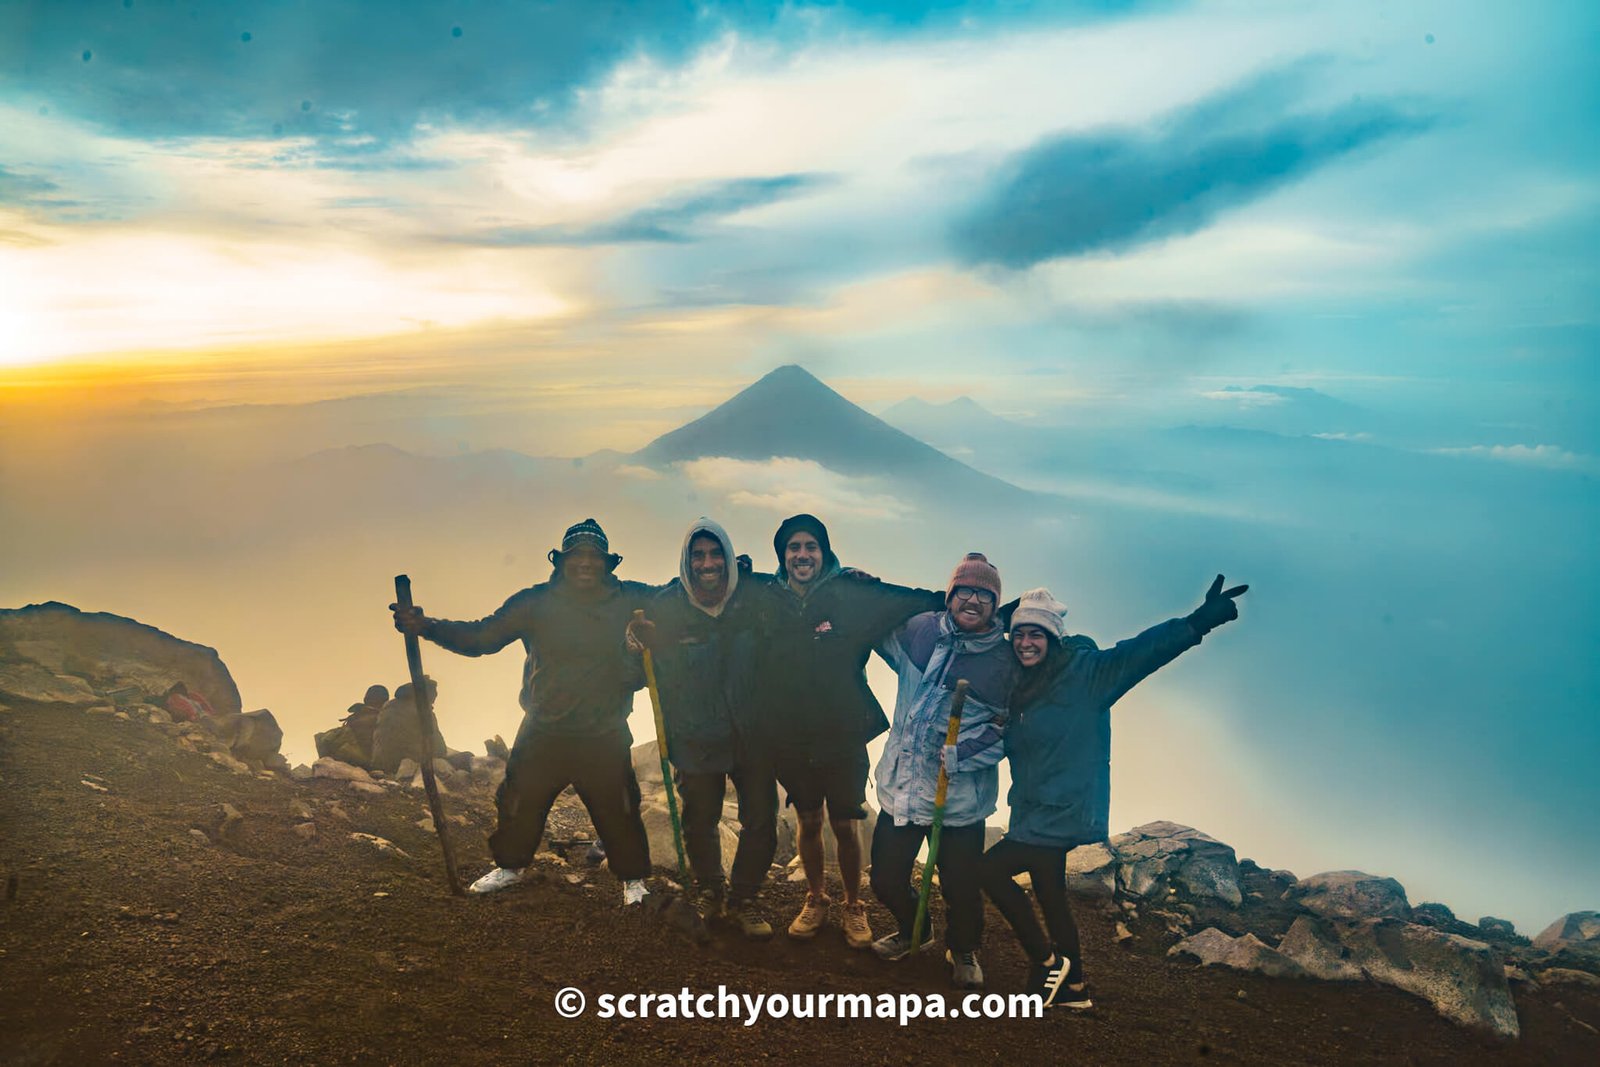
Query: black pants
{"x": 1047, "y": 867}
{"x": 894, "y": 850}
{"x": 702, "y": 795}
{"x": 600, "y": 769}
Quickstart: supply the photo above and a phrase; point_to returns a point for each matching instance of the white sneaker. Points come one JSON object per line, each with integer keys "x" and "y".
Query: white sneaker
{"x": 633, "y": 891}
{"x": 497, "y": 879}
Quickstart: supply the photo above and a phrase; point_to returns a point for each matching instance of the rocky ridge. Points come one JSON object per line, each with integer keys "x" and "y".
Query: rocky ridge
{"x": 1171, "y": 889}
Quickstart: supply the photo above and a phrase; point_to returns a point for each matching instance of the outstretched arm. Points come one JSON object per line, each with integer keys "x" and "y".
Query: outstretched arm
{"x": 887, "y": 606}
{"x": 513, "y": 620}
{"x": 1127, "y": 663}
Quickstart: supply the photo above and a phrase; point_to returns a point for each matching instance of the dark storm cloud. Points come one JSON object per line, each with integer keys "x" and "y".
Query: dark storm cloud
{"x": 1113, "y": 190}
{"x": 380, "y": 67}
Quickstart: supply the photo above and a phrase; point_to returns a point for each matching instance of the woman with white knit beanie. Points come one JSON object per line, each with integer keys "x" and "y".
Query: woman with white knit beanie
{"x": 1058, "y": 740}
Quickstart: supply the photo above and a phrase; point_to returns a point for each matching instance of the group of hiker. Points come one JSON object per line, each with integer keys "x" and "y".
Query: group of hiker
{"x": 762, "y": 682}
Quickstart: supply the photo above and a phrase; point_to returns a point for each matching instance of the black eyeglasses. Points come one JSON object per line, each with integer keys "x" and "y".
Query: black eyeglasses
{"x": 966, "y": 592}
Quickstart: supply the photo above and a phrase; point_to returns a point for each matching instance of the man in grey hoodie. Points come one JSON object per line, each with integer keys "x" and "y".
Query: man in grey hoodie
{"x": 703, "y": 632}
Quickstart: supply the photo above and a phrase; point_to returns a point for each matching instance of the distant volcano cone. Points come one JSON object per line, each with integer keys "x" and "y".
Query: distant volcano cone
{"x": 790, "y": 413}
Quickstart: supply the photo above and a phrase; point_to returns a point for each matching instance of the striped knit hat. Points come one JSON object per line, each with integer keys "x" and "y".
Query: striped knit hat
{"x": 587, "y": 532}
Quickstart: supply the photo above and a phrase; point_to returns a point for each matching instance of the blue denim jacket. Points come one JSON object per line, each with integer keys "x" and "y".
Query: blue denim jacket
{"x": 930, "y": 654}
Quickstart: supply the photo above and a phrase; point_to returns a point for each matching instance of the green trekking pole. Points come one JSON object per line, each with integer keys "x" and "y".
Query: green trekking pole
{"x": 950, "y": 735}
{"x": 666, "y": 771}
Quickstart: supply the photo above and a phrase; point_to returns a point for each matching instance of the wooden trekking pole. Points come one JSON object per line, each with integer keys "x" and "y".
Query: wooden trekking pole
{"x": 951, "y": 733}
{"x": 419, "y": 691}
{"x": 661, "y": 747}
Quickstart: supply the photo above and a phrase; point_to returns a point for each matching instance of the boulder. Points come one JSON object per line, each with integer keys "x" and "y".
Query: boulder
{"x": 1092, "y": 871}
{"x": 1440, "y": 917}
{"x": 224, "y": 760}
{"x": 1463, "y": 979}
{"x": 1578, "y": 927}
{"x": 380, "y": 843}
{"x": 1351, "y": 895}
{"x": 301, "y": 773}
{"x": 1435, "y": 915}
{"x": 407, "y": 770}
{"x": 29, "y": 681}
{"x": 108, "y": 653}
{"x": 663, "y": 853}
{"x": 1213, "y": 948}
{"x": 1568, "y": 976}
{"x": 647, "y": 769}
{"x": 229, "y": 820}
{"x": 1497, "y": 929}
{"x": 1158, "y": 856}
{"x": 254, "y": 735}
{"x": 418, "y": 784}
{"x": 488, "y": 770}
{"x": 332, "y": 768}
{"x": 1572, "y": 941}
{"x": 1317, "y": 950}
{"x": 789, "y": 830}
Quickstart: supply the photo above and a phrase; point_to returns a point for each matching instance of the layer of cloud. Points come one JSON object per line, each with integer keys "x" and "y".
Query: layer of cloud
{"x": 674, "y": 219}
{"x": 785, "y": 486}
{"x": 1079, "y": 193}
{"x": 1551, "y": 456}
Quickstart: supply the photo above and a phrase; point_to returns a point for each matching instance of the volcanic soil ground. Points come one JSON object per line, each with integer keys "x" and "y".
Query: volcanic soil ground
{"x": 127, "y": 936}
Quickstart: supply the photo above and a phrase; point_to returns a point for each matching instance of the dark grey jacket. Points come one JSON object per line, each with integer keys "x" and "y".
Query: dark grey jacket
{"x": 578, "y": 678}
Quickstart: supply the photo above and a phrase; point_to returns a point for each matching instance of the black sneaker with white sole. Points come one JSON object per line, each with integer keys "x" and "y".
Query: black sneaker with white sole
{"x": 1049, "y": 978}
{"x": 1075, "y": 997}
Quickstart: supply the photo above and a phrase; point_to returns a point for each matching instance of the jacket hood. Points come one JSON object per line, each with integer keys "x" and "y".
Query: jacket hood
{"x": 812, "y": 524}
{"x": 686, "y": 577}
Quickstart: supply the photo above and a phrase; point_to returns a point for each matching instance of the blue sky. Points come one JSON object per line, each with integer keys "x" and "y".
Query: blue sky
{"x": 540, "y": 228}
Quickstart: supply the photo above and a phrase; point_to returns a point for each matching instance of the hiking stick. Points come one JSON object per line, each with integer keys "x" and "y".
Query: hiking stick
{"x": 419, "y": 691}
{"x": 950, "y": 735}
{"x": 661, "y": 747}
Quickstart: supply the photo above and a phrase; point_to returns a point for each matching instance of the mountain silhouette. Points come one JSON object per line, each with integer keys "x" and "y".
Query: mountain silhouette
{"x": 790, "y": 413}
{"x": 958, "y": 427}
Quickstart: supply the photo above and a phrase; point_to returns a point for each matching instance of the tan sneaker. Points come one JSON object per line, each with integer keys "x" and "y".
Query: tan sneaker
{"x": 812, "y": 917}
{"x": 857, "y": 933}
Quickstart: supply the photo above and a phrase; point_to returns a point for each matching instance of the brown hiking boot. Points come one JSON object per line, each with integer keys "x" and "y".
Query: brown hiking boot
{"x": 707, "y": 902}
{"x": 748, "y": 918}
{"x": 857, "y": 933}
{"x": 812, "y": 917}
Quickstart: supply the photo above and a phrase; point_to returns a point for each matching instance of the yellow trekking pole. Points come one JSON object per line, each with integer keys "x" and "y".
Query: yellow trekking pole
{"x": 951, "y": 733}
{"x": 666, "y": 770}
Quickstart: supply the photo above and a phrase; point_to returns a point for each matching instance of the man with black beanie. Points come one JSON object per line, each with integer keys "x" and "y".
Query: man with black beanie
{"x": 822, "y": 712}
{"x": 577, "y": 691}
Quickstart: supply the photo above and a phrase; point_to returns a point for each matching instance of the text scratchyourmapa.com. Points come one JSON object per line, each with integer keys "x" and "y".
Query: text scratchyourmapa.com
{"x": 750, "y": 1008}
